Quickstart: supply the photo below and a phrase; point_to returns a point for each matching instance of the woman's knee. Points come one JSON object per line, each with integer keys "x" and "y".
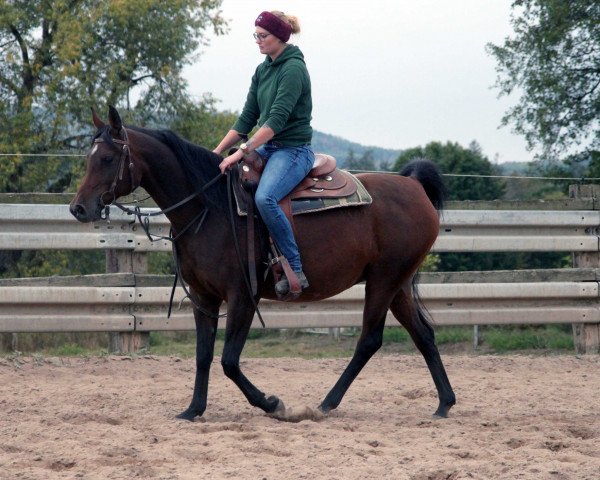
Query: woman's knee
{"x": 264, "y": 199}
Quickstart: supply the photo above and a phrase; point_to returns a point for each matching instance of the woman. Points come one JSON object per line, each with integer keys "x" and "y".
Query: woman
{"x": 280, "y": 102}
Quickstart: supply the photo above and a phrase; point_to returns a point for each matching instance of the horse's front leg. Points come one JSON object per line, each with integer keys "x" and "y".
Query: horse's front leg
{"x": 240, "y": 313}
{"x": 206, "y": 331}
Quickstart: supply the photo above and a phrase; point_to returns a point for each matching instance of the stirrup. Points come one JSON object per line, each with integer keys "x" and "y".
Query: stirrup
{"x": 282, "y": 287}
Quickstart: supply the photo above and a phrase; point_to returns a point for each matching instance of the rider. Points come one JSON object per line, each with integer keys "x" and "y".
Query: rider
{"x": 280, "y": 102}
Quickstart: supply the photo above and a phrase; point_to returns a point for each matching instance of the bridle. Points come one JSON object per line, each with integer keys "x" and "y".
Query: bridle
{"x": 125, "y": 152}
{"x": 145, "y": 223}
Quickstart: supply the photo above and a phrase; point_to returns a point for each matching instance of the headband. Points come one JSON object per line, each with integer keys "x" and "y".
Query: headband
{"x": 274, "y": 25}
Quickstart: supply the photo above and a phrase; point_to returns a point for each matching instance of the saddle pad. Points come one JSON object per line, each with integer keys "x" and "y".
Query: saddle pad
{"x": 315, "y": 204}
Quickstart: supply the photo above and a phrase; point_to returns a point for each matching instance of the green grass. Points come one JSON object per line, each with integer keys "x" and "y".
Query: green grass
{"x": 551, "y": 337}
{"x": 296, "y": 343}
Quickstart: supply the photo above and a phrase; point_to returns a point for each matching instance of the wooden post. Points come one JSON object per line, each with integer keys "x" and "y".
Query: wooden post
{"x": 586, "y": 336}
{"x": 118, "y": 261}
{"x": 476, "y": 337}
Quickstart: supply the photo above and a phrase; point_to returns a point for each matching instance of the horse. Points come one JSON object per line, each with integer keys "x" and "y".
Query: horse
{"x": 381, "y": 244}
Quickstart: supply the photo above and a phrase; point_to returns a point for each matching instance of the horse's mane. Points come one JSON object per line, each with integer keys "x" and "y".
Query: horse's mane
{"x": 199, "y": 164}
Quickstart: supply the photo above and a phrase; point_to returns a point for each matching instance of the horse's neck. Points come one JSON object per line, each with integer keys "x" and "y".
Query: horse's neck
{"x": 167, "y": 184}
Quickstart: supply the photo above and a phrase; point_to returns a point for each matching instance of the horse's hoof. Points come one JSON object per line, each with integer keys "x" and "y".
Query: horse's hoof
{"x": 275, "y": 405}
{"x": 441, "y": 412}
{"x": 279, "y": 410}
{"x": 188, "y": 415}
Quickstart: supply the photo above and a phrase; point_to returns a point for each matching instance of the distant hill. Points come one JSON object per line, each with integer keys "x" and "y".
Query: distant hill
{"x": 339, "y": 148}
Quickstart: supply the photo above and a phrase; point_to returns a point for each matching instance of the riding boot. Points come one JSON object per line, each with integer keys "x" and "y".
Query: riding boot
{"x": 282, "y": 287}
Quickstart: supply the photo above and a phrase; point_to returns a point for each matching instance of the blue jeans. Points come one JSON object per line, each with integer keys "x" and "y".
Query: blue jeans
{"x": 285, "y": 168}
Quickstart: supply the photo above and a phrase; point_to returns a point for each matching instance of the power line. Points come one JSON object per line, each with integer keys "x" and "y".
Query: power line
{"x": 41, "y": 155}
{"x": 466, "y": 175}
{"x": 509, "y": 177}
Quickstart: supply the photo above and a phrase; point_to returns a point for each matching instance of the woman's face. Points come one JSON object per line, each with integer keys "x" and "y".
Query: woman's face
{"x": 268, "y": 44}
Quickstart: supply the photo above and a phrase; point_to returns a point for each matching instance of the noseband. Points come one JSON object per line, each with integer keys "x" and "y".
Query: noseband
{"x": 125, "y": 152}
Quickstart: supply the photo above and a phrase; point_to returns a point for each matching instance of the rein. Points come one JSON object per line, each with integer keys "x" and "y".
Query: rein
{"x": 145, "y": 224}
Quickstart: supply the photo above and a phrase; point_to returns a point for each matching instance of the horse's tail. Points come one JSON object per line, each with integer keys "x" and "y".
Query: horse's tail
{"x": 422, "y": 312}
{"x": 428, "y": 175}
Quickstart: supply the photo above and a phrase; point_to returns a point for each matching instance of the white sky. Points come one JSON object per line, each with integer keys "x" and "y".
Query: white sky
{"x": 387, "y": 73}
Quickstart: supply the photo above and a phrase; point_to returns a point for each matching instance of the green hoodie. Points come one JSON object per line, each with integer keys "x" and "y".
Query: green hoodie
{"x": 280, "y": 98}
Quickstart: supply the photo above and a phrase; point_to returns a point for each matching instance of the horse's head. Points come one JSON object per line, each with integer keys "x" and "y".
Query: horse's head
{"x": 109, "y": 172}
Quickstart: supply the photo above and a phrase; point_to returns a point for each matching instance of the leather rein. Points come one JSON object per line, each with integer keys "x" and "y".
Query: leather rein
{"x": 144, "y": 220}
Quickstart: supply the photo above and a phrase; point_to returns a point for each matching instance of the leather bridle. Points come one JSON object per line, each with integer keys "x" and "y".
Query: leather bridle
{"x": 125, "y": 153}
{"x": 145, "y": 224}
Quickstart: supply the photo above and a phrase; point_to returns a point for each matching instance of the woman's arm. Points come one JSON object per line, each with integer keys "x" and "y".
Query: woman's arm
{"x": 229, "y": 140}
{"x": 262, "y": 136}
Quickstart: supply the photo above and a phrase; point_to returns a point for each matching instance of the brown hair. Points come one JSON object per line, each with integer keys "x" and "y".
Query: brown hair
{"x": 289, "y": 19}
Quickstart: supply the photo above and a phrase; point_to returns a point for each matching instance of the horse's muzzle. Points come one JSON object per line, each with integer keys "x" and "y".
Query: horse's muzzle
{"x": 80, "y": 212}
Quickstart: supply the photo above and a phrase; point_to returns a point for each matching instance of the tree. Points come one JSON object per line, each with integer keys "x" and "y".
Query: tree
{"x": 61, "y": 57}
{"x": 365, "y": 162}
{"x": 554, "y": 60}
{"x": 452, "y": 159}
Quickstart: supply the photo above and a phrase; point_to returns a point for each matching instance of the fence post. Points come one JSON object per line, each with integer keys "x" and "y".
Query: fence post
{"x": 586, "y": 336}
{"x": 119, "y": 261}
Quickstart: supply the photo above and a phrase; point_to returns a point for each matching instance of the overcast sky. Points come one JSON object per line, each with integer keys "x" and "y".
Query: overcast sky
{"x": 387, "y": 73}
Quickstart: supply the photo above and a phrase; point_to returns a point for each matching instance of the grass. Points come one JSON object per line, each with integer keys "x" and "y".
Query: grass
{"x": 550, "y": 337}
{"x": 296, "y": 343}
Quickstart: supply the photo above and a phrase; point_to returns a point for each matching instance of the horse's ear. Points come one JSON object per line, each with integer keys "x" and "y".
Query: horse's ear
{"x": 114, "y": 119}
{"x": 96, "y": 119}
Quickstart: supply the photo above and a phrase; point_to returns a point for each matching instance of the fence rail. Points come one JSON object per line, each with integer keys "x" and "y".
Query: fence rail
{"x": 35, "y": 227}
{"x": 129, "y": 302}
{"x": 134, "y": 303}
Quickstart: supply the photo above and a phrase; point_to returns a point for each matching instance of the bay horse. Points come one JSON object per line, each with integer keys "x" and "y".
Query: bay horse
{"x": 381, "y": 244}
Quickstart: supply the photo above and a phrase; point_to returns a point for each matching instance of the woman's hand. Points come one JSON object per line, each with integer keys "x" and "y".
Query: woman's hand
{"x": 231, "y": 160}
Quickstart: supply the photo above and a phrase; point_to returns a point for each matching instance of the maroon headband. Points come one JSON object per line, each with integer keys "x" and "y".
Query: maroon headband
{"x": 275, "y": 25}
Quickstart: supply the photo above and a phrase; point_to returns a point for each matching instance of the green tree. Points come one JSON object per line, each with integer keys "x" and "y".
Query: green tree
{"x": 61, "y": 57}
{"x": 553, "y": 61}
{"x": 365, "y": 162}
{"x": 452, "y": 159}
{"x": 201, "y": 123}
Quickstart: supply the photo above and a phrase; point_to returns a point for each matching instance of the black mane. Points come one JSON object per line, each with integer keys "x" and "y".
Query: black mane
{"x": 199, "y": 164}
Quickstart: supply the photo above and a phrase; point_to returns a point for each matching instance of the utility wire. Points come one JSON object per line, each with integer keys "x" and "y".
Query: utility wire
{"x": 466, "y": 175}
{"x": 472, "y": 175}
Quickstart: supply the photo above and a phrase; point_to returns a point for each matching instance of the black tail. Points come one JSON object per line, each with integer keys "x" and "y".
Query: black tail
{"x": 428, "y": 174}
{"x": 422, "y": 311}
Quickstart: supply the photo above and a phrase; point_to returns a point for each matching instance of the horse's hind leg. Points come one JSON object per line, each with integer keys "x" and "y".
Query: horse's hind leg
{"x": 371, "y": 339}
{"x": 408, "y": 313}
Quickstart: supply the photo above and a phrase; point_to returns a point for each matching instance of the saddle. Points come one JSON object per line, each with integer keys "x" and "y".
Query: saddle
{"x": 323, "y": 180}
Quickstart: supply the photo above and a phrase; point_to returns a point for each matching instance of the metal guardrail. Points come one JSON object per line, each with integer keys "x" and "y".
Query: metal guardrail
{"x": 131, "y": 304}
{"x": 115, "y": 305}
{"x": 33, "y": 227}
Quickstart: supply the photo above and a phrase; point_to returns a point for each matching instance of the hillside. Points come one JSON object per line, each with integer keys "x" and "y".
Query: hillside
{"x": 339, "y": 148}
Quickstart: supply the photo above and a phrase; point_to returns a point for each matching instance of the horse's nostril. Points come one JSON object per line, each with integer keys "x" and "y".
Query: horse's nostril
{"x": 78, "y": 211}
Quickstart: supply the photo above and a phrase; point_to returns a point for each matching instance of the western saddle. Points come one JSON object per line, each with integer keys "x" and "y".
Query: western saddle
{"x": 323, "y": 180}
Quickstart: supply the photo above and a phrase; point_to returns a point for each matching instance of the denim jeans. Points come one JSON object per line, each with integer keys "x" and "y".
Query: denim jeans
{"x": 285, "y": 168}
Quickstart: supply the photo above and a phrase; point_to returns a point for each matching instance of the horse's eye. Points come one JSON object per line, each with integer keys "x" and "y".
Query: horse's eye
{"x": 107, "y": 159}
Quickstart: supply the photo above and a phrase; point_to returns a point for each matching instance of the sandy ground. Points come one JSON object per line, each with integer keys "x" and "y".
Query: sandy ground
{"x": 113, "y": 418}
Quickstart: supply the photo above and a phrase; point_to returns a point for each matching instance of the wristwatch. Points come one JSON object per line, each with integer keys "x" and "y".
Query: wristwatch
{"x": 244, "y": 148}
